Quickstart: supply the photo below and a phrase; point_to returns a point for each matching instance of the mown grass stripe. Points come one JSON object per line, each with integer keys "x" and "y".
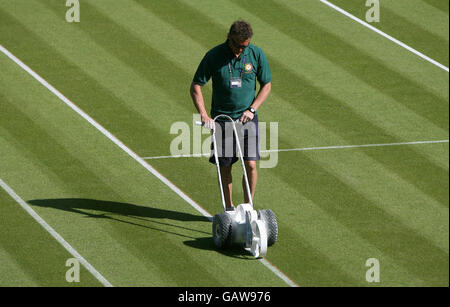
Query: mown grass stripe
{"x": 23, "y": 277}
{"x": 440, "y": 5}
{"x": 104, "y": 132}
{"x": 362, "y": 216}
{"x": 424, "y": 15}
{"x": 143, "y": 58}
{"x": 363, "y": 98}
{"x": 322, "y": 107}
{"x": 111, "y": 219}
{"x": 127, "y": 150}
{"x": 314, "y": 228}
{"x": 354, "y": 61}
{"x": 73, "y": 177}
{"x": 53, "y": 233}
{"x": 326, "y": 122}
{"x": 390, "y": 193}
{"x": 110, "y": 106}
{"x": 68, "y": 171}
{"x": 139, "y": 113}
{"x": 196, "y": 198}
{"x": 304, "y": 250}
{"x": 167, "y": 269}
{"x": 365, "y": 24}
{"x": 304, "y": 173}
{"x": 410, "y": 21}
{"x": 29, "y": 255}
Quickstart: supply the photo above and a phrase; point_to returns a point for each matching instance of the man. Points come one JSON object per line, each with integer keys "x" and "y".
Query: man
{"x": 234, "y": 67}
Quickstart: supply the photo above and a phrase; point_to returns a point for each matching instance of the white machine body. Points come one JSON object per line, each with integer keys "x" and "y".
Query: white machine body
{"x": 248, "y": 230}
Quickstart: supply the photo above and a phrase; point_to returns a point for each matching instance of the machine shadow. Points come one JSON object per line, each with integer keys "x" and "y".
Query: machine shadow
{"x": 207, "y": 243}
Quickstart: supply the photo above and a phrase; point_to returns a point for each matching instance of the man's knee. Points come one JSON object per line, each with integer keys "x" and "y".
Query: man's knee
{"x": 250, "y": 165}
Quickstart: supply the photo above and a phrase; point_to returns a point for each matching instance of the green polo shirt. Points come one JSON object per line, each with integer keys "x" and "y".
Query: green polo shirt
{"x": 252, "y": 65}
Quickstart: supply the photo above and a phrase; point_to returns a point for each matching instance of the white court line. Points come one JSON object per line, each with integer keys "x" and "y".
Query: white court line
{"x": 116, "y": 141}
{"x": 308, "y": 148}
{"x": 104, "y": 131}
{"x": 360, "y": 146}
{"x": 365, "y": 24}
{"x": 55, "y": 235}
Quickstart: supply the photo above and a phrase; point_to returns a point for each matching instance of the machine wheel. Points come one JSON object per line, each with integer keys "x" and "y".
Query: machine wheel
{"x": 221, "y": 229}
{"x": 269, "y": 218}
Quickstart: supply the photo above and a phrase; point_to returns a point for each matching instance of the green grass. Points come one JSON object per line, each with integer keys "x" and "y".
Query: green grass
{"x": 29, "y": 255}
{"x": 415, "y": 23}
{"x": 129, "y": 64}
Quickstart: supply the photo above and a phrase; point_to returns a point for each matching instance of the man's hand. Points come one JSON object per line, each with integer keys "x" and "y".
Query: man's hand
{"x": 246, "y": 117}
{"x": 208, "y": 122}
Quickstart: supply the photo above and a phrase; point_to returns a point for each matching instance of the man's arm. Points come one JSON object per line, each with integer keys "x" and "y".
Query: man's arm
{"x": 263, "y": 93}
{"x": 199, "y": 102}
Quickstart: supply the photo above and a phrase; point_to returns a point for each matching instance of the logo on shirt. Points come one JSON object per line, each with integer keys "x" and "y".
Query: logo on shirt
{"x": 248, "y": 68}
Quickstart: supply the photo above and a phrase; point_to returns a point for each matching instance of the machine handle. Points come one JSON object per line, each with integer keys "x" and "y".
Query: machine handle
{"x": 217, "y": 160}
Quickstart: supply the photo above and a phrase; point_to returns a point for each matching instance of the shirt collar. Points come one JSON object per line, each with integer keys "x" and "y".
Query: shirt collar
{"x": 232, "y": 55}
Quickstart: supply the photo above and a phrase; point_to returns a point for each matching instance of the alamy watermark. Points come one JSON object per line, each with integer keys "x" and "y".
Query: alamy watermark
{"x": 373, "y": 13}
{"x": 73, "y": 274}
{"x": 373, "y": 273}
{"x": 194, "y": 143}
{"x": 73, "y": 13}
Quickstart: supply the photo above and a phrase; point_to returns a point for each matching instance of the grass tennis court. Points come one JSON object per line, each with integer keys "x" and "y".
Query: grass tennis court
{"x": 128, "y": 65}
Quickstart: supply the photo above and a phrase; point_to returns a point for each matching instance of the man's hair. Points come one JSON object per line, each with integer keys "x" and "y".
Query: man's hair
{"x": 241, "y": 30}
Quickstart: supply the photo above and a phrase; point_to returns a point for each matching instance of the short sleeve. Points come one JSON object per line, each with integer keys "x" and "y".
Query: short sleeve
{"x": 264, "y": 75}
{"x": 203, "y": 73}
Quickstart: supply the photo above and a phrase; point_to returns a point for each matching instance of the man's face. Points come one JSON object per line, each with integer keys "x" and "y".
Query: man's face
{"x": 238, "y": 46}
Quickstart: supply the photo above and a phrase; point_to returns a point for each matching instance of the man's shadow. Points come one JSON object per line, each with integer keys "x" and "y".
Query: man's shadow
{"x": 141, "y": 216}
{"x": 121, "y": 212}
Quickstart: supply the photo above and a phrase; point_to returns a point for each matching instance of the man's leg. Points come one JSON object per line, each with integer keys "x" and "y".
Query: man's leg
{"x": 252, "y": 174}
{"x": 227, "y": 183}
